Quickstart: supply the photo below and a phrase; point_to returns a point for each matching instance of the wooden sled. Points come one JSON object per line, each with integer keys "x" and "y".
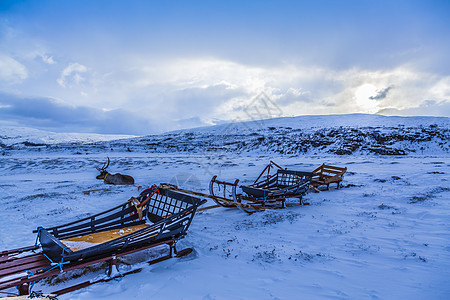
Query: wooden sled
{"x": 326, "y": 175}
{"x": 156, "y": 217}
{"x": 269, "y": 190}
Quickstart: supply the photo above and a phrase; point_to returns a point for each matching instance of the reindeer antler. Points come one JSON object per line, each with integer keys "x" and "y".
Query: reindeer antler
{"x": 105, "y": 165}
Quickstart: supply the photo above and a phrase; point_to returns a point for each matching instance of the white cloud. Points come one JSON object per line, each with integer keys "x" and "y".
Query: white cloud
{"x": 217, "y": 89}
{"x": 11, "y": 71}
{"x": 441, "y": 90}
{"x": 210, "y": 90}
{"x": 36, "y": 52}
{"x": 72, "y": 74}
{"x": 47, "y": 59}
{"x": 427, "y": 108}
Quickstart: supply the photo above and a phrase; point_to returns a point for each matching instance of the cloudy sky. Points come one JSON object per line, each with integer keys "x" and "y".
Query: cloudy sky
{"x": 139, "y": 67}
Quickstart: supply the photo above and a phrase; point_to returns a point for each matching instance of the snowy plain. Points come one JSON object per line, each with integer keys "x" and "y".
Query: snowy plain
{"x": 384, "y": 235}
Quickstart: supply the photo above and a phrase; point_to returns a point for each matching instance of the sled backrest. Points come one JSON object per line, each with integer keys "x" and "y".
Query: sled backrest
{"x": 289, "y": 177}
{"x": 167, "y": 203}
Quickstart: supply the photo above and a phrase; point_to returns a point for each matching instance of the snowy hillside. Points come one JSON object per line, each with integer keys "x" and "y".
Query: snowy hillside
{"x": 34, "y": 137}
{"x": 384, "y": 235}
{"x": 336, "y": 134}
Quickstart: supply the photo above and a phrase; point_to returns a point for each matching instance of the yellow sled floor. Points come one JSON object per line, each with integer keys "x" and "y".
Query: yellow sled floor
{"x": 89, "y": 240}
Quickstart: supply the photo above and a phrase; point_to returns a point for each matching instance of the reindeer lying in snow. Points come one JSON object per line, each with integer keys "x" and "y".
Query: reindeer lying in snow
{"x": 113, "y": 178}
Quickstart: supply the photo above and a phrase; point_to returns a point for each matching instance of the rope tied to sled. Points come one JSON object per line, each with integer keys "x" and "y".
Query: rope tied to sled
{"x": 115, "y": 277}
{"x": 216, "y": 181}
{"x": 218, "y": 184}
{"x": 32, "y": 284}
{"x": 57, "y": 265}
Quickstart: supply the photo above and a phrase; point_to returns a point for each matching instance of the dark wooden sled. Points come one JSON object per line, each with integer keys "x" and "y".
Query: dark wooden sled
{"x": 285, "y": 183}
{"x": 268, "y": 190}
{"x": 156, "y": 217}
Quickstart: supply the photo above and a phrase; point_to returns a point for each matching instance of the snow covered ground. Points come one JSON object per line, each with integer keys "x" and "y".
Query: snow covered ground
{"x": 385, "y": 235}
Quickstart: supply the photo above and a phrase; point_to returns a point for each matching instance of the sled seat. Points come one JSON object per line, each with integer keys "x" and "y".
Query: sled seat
{"x": 89, "y": 240}
{"x": 326, "y": 174}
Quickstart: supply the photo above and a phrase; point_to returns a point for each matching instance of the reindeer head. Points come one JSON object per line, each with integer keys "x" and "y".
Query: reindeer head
{"x": 103, "y": 171}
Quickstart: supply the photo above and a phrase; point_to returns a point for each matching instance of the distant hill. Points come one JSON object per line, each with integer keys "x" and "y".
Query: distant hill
{"x": 326, "y": 134}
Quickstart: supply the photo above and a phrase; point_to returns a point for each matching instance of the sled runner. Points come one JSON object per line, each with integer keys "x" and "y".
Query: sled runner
{"x": 156, "y": 217}
{"x": 267, "y": 191}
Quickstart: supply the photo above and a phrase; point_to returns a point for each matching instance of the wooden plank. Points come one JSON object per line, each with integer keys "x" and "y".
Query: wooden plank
{"x": 333, "y": 180}
{"x": 7, "y": 258}
{"x": 334, "y": 167}
{"x": 12, "y": 283}
{"x": 98, "y": 222}
{"x": 26, "y": 297}
{"x": 331, "y": 171}
{"x": 84, "y": 219}
{"x": 18, "y": 250}
{"x": 318, "y": 169}
{"x": 22, "y": 261}
{"x": 31, "y": 266}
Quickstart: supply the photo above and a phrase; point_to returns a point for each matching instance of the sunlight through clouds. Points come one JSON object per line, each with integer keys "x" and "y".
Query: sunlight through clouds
{"x": 363, "y": 97}
{"x": 209, "y": 64}
{"x": 218, "y": 89}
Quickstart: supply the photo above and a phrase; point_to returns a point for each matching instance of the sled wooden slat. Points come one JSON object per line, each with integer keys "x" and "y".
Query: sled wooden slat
{"x": 22, "y": 261}
{"x": 17, "y": 250}
{"x": 32, "y": 266}
{"x": 334, "y": 167}
{"x": 332, "y": 171}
